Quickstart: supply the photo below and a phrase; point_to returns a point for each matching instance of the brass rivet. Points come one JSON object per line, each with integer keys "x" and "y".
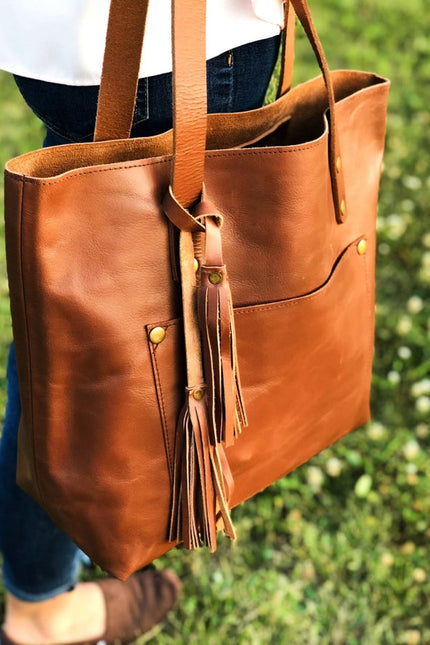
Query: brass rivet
{"x": 343, "y": 207}
{"x": 338, "y": 164}
{"x": 215, "y": 277}
{"x": 362, "y": 247}
{"x": 196, "y": 265}
{"x": 157, "y": 335}
{"x": 198, "y": 394}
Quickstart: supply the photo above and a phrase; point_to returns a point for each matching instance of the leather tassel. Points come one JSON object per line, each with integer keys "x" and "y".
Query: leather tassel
{"x": 216, "y": 321}
{"x": 199, "y": 490}
{"x": 213, "y": 411}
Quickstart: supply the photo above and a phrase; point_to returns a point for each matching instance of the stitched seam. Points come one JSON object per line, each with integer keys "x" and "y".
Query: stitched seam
{"x": 160, "y": 397}
{"x": 297, "y": 300}
{"x": 93, "y": 172}
{"x": 166, "y": 324}
{"x": 142, "y": 96}
{"x": 372, "y": 331}
{"x": 109, "y": 144}
{"x": 228, "y": 153}
{"x": 283, "y": 305}
{"x": 10, "y": 177}
{"x": 261, "y": 151}
{"x": 163, "y": 413}
{"x": 27, "y": 333}
{"x": 140, "y": 121}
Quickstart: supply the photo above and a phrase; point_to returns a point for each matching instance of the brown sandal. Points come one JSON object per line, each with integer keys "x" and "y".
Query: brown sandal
{"x": 132, "y": 607}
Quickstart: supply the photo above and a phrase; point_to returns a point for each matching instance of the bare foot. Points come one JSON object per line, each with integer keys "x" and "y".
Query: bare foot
{"x": 77, "y": 615}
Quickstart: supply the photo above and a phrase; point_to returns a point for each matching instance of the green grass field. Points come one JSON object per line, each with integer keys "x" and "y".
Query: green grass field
{"x": 337, "y": 553}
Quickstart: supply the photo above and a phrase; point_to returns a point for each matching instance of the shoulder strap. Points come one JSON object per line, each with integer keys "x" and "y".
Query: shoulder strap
{"x": 287, "y": 60}
{"x": 120, "y": 76}
{"x": 117, "y": 97}
{"x": 124, "y": 40}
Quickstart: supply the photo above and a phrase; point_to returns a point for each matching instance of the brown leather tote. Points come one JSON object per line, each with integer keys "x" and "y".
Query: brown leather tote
{"x": 193, "y": 312}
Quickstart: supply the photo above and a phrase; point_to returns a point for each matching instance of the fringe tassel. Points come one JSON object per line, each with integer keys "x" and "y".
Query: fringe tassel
{"x": 227, "y": 411}
{"x": 199, "y": 488}
{"x": 213, "y": 413}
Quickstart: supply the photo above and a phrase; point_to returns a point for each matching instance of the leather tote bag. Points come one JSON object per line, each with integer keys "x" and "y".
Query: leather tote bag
{"x": 193, "y": 312}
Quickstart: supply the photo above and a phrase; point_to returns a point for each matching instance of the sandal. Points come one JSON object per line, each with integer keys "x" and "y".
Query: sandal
{"x": 132, "y": 607}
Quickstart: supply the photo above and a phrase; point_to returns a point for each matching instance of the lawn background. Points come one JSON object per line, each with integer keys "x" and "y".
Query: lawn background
{"x": 338, "y": 552}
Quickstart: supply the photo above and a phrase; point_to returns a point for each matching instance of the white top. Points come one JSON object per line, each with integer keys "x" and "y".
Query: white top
{"x": 62, "y": 41}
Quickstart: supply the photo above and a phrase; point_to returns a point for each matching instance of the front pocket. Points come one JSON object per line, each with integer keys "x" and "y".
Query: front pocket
{"x": 305, "y": 367}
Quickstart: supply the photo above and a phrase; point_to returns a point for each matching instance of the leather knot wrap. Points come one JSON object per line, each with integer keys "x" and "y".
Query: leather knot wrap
{"x": 105, "y": 436}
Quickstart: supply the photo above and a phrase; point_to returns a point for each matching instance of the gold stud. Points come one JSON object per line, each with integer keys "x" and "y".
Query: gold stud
{"x": 157, "y": 335}
{"x": 215, "y": 277}
{"x": 343, "y": 207}
{"x": 198, "y": 394}
{"x": 338, "y": 164}
{"x": 196, "y": 265}
{"x": 362, "y": 247}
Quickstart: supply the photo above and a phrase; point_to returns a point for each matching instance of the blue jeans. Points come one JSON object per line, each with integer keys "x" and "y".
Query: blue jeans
{"x": 39, "y": 560}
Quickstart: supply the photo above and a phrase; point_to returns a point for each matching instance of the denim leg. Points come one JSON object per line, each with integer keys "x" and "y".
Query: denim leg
{"x": 39, "y": 560}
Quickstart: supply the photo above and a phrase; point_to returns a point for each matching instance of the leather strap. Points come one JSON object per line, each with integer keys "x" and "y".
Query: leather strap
{"x": 120, "y": 77}
{"x": 302, "y": 10}
{"x": 189, "y": 99}
{"x": 287, "y": 57}
{"x": 120, "y": 74}
{"x": 118, "y": 89}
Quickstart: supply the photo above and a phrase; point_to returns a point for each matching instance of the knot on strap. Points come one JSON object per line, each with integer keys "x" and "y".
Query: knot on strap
{"x": 216, "y": 217}
{"x": 180, "y": 216}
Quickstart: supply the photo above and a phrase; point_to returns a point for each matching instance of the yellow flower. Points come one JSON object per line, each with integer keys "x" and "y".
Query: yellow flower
{"x": 387, "y": 559}
{"x": 408, "y": 548}
{"x": 419, "y": 574}
{"x": 413, "y": 637}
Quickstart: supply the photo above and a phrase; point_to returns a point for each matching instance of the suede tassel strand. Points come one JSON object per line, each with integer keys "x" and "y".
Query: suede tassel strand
{"x": 200, "y": 493}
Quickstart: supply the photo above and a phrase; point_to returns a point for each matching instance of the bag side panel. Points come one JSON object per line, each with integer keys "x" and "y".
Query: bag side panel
{"x": 14, "y": 198}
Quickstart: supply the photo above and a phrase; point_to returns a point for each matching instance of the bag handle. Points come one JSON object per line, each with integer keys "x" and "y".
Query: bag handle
{"x": 120, "y": 74}
{"x": 120, "y": 77}
{"x": 335, "y": 160}
{"x": 118, "y": 89}
{"x": 287, "y": 59}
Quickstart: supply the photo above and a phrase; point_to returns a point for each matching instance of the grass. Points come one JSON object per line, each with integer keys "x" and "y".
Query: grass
{"x": 338, "y": 552}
